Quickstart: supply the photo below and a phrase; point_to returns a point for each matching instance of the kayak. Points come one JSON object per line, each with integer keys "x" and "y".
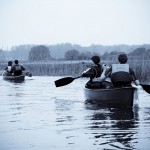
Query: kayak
{"x": 115, "y": 97}
{"x": 13, "y": 78}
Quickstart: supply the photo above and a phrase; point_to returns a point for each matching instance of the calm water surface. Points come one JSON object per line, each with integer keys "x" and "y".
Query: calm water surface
{"x": 35, "y": 115}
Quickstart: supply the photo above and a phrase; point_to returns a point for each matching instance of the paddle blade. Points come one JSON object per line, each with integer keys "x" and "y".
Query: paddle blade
{"x": 28, "y": 74}
{"x": 63, "y": 81}
{"x": 146, "y": 87}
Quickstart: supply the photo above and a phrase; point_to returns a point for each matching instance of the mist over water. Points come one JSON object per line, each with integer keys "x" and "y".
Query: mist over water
{"x": 36, "y": 115}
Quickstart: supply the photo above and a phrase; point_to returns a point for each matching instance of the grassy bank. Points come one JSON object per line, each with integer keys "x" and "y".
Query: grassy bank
{"x": 75, "y": 68}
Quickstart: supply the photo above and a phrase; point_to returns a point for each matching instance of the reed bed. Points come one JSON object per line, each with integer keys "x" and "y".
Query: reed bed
{"x": 56, "y": 69}
{"x": 65, "y": 68}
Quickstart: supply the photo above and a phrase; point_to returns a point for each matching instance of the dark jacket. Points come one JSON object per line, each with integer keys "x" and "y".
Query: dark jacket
{"x": 17, "y": 69}
{"x": 94, "y": 72}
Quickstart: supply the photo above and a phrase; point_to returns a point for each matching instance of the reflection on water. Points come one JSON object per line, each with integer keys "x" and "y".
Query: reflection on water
{"x": 36, "y": 115}
{"x": 114, "y": 126}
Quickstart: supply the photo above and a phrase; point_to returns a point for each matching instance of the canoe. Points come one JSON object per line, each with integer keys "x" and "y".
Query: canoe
{"x": 115, "y": 97}
{"x": 13, "y": 78}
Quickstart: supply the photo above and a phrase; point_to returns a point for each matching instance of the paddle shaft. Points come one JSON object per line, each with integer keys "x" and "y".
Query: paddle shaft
{"x": 28, "y": 74}
{"x": 65, "y": 81}
{"x": 77, "y": 77}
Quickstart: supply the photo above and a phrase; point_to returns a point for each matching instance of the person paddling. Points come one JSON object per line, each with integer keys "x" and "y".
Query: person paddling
{"x": 94, "y": 73}
{"x": 17, "y": 69}
{"x": 121, "y": 74}
{"x": 8, "y": 68}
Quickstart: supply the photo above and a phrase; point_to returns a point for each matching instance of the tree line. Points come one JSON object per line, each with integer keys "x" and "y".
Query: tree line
{"x": 42, "y": 53}
{"x": 67, "y": 51}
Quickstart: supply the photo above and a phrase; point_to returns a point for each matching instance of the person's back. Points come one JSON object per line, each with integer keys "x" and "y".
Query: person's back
{"x": 8, "y": 68}
{"x": 95, "y": 70}
{"x": 17, "y": 69}
{"x": 121, "y": 74}
{"x": 94, "y": 73}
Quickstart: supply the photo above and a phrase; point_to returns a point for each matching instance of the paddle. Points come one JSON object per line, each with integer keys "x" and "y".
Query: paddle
{"x": 65, "y": 81}
{"x": 146, "y": 87}
{"x": 68, "y": 80}
{"x": 28, "y": 74}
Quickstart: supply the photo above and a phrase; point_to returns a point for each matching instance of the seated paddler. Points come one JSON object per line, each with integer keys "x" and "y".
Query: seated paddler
{"x": 17, "y": 69}
{"x": 121, "y": 74}
{"x": 8, "y": 68}
{"x": 94, "y": 73}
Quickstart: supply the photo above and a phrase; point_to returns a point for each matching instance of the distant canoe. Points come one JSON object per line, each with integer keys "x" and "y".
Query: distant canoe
{"x": 13, "y": 78}
{"x": 116, "y": 97}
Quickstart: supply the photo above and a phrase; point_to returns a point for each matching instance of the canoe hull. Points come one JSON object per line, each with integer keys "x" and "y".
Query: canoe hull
{"x": 117, "y": 97}
{"x": 13, "y": 78}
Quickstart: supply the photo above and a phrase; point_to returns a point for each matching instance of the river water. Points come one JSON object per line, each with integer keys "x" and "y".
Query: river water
{"x": 35, "y": 115}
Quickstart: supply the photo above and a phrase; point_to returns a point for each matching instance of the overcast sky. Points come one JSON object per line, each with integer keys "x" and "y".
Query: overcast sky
{"x": 83, "y": 22}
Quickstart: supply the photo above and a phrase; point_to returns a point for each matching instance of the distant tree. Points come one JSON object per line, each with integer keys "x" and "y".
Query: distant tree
{"x": 72, "y": 55}
{"x": 147, "y": 54}
{"x": 2, "y": 55}
{"x": 105, "y": 56}
{"x": 89, "y": 54}
{"x": 111, "y": 56}
{"x": 139, "y": 53}
{"x": 39, "y": 53}
{"x": 114, "y": 53}
{"x": 83, "y": 56}
{"x": 20, "y": 52}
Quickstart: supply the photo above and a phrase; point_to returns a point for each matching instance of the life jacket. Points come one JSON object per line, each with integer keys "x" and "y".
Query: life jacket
{"x": 120, "y": 73}
{"x": 17, "y": 67}
{"x": 9, "y": 68}
{"x": 98, "y": 70}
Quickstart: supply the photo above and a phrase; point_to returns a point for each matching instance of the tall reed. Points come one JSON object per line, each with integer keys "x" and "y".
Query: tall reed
{"x": 75, "y": 68}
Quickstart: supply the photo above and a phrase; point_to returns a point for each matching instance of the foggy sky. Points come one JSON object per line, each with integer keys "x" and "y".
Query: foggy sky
{"x": 83, "y": 22}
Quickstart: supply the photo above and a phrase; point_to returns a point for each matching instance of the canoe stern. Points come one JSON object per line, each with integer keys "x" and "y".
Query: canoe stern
{"x": 116, "y": 97}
